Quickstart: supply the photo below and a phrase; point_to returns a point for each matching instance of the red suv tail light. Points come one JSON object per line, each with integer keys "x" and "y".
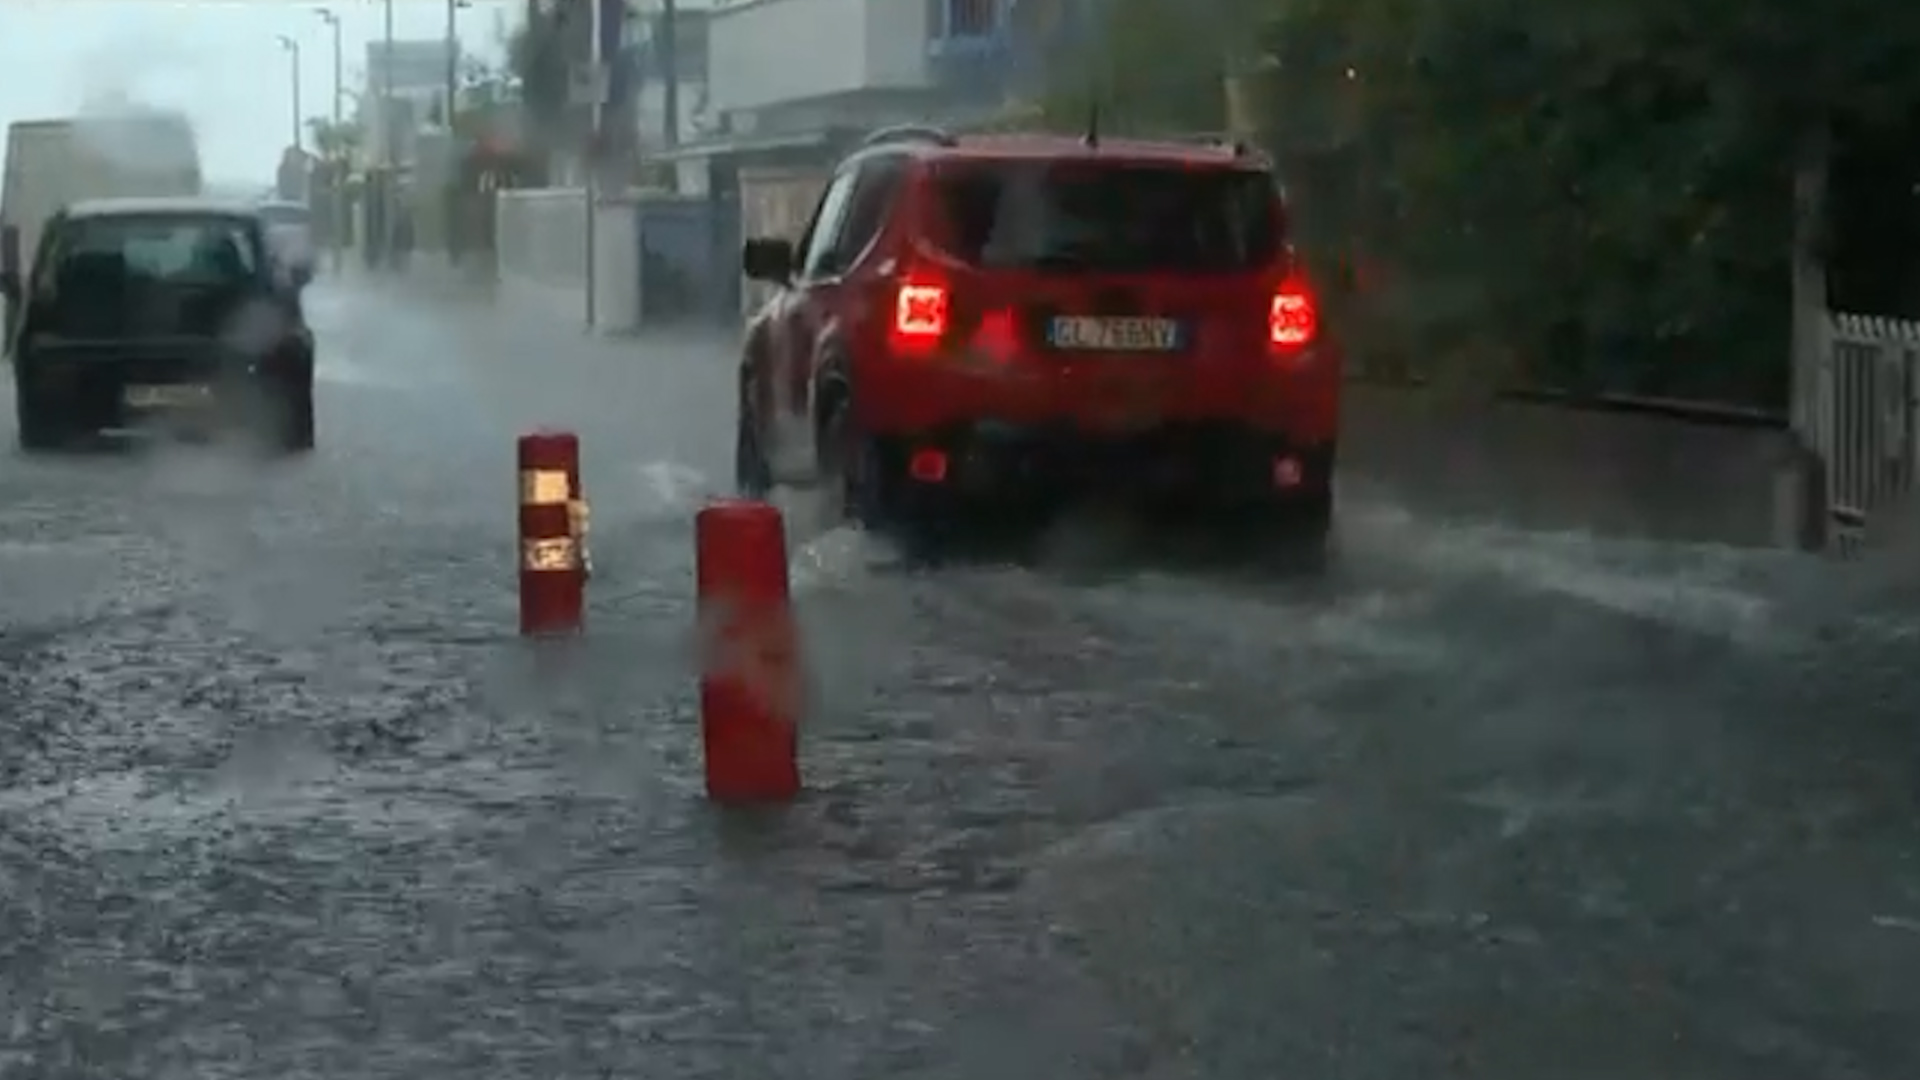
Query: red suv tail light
{"x": 921, "y": 310}
{"x": 1293, "y": 317}
{"x": 998, "y": 336}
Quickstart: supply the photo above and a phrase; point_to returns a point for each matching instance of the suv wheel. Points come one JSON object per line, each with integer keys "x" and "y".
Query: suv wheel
{"x": 853, "y": 471}
{"x": 752, "y": 476}
{"x": 1304, "y": 524}
{"x": 298, "y": 431}
{"x": 293, "y": 417}
{"x": 38, "y": 423}
{"x": 1310, "y": 517}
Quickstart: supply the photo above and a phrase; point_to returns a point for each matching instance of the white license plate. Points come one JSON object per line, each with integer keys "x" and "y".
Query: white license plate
{"x": 167, "y": 397}
{"x": 1114, "y": 335}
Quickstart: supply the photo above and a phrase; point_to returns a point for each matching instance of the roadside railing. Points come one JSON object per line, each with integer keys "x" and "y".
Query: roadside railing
{"x": 1862, "y": 421}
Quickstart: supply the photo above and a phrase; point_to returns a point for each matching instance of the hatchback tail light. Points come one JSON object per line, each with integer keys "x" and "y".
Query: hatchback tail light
{"x": 922, "y": 309}
{"x": 286, "y": 357}
{"x": 1293, "y": 316}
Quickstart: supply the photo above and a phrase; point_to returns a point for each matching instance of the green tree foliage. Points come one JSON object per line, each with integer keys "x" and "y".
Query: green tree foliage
{"x": 331, "y": 140}
{"x": 481, "y": 91}
{"x": 1151, "y": 68}
{"x": 540, "y": 54}
{"x": 1602, "y": 190}
{"x": 555, "y": 39}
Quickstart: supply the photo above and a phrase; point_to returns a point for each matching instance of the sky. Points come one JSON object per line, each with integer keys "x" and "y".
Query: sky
{"x": 219, "y": 61}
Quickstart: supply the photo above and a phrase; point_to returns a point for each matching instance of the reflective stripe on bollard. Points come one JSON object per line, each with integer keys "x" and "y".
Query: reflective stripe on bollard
{"x": 552, "y": 571}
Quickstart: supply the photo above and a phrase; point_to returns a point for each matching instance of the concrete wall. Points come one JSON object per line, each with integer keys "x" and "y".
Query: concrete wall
{"x": 1553, "y": 467}
{"x": 542, "y": 255}
{"x": 762, "y": 52}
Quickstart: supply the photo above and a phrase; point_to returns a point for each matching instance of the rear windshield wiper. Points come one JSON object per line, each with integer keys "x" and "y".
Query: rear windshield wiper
{"x": 1075, "y": 257}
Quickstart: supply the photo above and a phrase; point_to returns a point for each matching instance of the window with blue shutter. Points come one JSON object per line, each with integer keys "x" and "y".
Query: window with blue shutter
{"x": 959, "y": 21}
{"x": 972, "y": 18}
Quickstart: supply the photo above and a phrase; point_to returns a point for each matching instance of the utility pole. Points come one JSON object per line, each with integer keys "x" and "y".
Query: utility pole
{"x": 591, "y": 192}
{"x": 337, "y": 173}
{"x": 670, "y": 69}
{"x": 449, "y": 190}
{"x": 1811, "y": 525}
{"x": 453, "y": 60}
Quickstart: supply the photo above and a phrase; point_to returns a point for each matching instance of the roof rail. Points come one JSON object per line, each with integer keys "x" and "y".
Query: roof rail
{"x": 1213, "y": 140}
{"x": 910, "y": 133}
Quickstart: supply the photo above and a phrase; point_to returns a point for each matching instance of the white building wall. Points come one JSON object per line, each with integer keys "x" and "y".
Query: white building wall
{"x": 764, "y": 52}
{"x": 896, "y": 43}
{"x": 650, "y": 112}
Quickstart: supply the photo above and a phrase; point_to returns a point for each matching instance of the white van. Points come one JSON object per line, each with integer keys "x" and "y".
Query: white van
{"x": 51, "y": 163}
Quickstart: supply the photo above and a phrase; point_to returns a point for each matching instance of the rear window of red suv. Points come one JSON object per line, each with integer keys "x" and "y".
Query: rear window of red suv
{"x": 1107, "y": 217}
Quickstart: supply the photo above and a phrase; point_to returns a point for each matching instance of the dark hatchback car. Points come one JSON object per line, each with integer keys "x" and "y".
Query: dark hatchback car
{"x": 141, "y": 309}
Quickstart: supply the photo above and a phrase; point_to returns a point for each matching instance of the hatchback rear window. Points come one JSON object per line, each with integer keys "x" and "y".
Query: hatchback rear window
{"x": 178, "y": 249}
{"x": 1108, "y": 217}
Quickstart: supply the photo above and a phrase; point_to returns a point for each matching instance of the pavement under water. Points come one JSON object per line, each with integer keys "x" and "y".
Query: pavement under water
{"x": 281, "y": 793}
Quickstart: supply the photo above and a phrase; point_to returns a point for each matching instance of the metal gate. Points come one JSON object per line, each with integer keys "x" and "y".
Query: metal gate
{"x": 1864, "y": 420}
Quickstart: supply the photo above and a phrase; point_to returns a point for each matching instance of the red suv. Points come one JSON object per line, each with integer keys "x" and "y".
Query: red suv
{"x": 988, "y": 320}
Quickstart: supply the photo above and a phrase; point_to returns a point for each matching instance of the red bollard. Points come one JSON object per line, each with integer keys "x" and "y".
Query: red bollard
{"x": 552, "y": 572}
{"x": 750, "y": 679}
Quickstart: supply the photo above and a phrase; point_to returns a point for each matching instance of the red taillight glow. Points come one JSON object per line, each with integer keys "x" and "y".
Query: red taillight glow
{"x": 920, "y": 312}
{"x": 1293, "y": 319}
{"x": 1287, "y": 472}
{"x": 996, "y": 336}
{"x": 928, "y": 466}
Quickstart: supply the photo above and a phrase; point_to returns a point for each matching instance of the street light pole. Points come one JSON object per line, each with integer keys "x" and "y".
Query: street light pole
{"x": 389, "y": 136}
{"x": 590, "y": 192}
{"x": 293, "y": 50}
{"x": 669, "y": 53}
{"x": 336, "y": 152}
{"x": 390, "y": 148}
{"x": 449, "y": 195}
{"x": 453, "y": 59}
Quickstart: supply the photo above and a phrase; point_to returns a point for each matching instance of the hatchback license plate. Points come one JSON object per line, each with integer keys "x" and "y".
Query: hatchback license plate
{"x": 1114, "y": 335}
{"x": 167, "y": 397}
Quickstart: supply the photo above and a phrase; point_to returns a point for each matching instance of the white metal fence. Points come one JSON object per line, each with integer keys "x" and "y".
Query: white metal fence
{"x": 1863, "y": 419}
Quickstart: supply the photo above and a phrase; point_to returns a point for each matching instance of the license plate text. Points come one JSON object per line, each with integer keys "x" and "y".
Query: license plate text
{"x": 167, "y": 397}
{"x": 1114, "y": 335}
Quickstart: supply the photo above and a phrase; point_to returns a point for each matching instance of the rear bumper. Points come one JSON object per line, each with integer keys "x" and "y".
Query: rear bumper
{"x": 91, "y": 388}
{"x": 1299, "y": 396}
{"x": 1208, "y": 462}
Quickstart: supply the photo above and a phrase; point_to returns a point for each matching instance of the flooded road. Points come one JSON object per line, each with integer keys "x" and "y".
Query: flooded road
{"x": 283, "y": 796}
